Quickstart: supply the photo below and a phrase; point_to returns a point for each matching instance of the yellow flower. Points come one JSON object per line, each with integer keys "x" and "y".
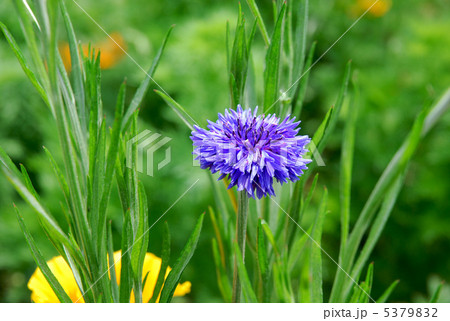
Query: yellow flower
{"x": 41, "y": 292}
{"x": 377, "y": 10}
{"x": 111, "y": 51}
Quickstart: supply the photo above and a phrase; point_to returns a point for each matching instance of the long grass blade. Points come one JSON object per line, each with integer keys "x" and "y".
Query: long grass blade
{"x": 145, "y": 84}
{"x": 111, "y": 265}
{"x": 42, "y": 264}
{"x": 165, "y": 256}
{"x": 76, "y": 70}
{"x": 299, "y": 95}
{"x": 365, "y": 295}
{"x": 238, "y": 62}
{"x": 392, "y": 171}
{"x": 263, "y": 263}
{"x": 435, "y": 297}
{"x": 385, "y": 296}
{"x": 179, "y": 110}
{"x": 316, "y": 252}
{"x": 345, "y": 178}
{"x": 174, "y": 276}
{"x": 273, "y": 62}
{"x": 222, "y": 278}
{"x": 262, "y": 27}
{"x": 249, "y": 293}
{"x": 24, "y": 64}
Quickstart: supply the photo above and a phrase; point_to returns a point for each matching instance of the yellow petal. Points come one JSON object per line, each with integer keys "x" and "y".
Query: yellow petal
{"x": 41, "y": 289}
{"x": 43, "y": 293}
{"x": 183, "y": 289}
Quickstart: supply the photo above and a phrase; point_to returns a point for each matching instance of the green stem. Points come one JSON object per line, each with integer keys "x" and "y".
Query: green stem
{"x": 241, "y": 228}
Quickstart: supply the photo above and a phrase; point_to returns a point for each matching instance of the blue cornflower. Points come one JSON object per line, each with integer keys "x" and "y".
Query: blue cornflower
{"x": 252, "y": 150}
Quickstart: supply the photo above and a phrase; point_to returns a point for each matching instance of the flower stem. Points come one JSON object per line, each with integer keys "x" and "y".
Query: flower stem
{"x": 241, "y": 228}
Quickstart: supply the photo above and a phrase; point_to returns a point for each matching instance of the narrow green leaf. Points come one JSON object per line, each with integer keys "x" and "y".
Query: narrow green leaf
{"x": 76, "y": 272}
{"x": 247, "y": 289}
{"x": 250, "y": 85}
{"x": 26, "y": 23}
{"x": 300, "y": 13}
{"x": 42, "y": 264}
{"x": 288, "y": 48}
{"x": 165, "y": 256}
{"x": 298, "y": 204}
{"x": 218, "y": 231}
{"x": 145, "y": 84}
{"x": 219, "y": 198}
{"x": 174, "y": 276}
{"x": 297, "y": 248}
{"x": 222, "y": 278}
{"x": 437, "y": 293}
{"x": 15, "y": 177}
{"x": 238, "y": 62}
{"x": 126, "y": 271}
{"x": 128, "y": 229}
{"x": 305, "y": 202}
{"x": 59, "y": 175}
{"x": 319, "y": 134}
{"x": 76, "y": 186}
{"x": 250, "y": 41}
{"x": 111, "y": 160}
{"x": 327, "y": 126}
{"x": 227, "y": 43}
{"x": 345, "y": 178}
{"x": 263, "y": 262}
{"x": 365, "y": 295}
{"x": 28, "y": 182}
{"x": 304, "y": 288}
{"x": 180, "y": 111}
{"x": 396, "y": 166}
{"x": 272, "y": 69}
{"x": 121, "y": 185}
{"x": 313, "y": 147}
{"x": 79, "y": 135}
{"x": 92, "y": 66}
{"x": 76, "y": 70}
{"x": 9, "y": 164}
{"x": 437, "y": 112}
{"x": 383, "y": 298}
{"x": 356, "y": 292}
{"x": 23, "y": 63}
{"x": 140, "y": 242}
{"x": 338, "y": 106}
{"x": 278, "y": 282}
{"x": 316, "y": 252}
{"x": 378, "y": 225}
{"x": 270, "y": 236}
{"x": 112, "y": 269}
{"x": 261, "y": 250}
{"x": 255, "y": 11}
{"x": 299, "y": 94}
{"x": 98, "y": 182}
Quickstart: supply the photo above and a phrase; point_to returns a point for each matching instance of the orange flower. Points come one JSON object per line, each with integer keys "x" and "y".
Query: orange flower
{"x": 111, "y": 51}
{"x": 41, "y": 292}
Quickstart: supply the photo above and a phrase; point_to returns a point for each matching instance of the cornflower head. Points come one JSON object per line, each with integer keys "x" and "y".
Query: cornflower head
{"x": 252, "y": 150}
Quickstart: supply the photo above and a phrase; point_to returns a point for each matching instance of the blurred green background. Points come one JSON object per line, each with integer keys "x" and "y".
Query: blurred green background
{"x": 403, "y": 62}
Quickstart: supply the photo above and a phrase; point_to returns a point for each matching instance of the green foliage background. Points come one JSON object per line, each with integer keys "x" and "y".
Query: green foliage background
{"x": 402, "y": 64}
